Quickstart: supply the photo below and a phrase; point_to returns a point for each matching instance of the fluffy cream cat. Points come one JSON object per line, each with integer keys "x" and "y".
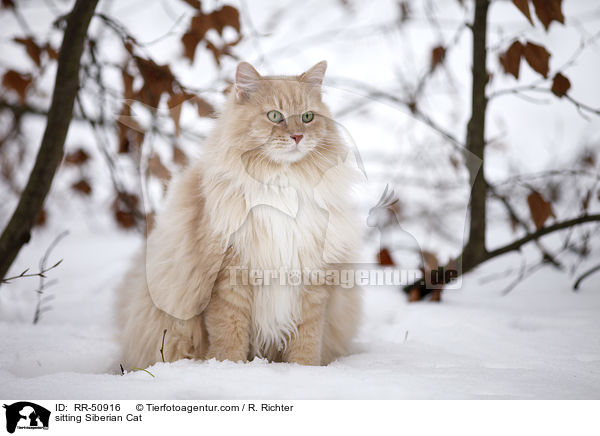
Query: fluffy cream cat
{"x": 270, "y": 192}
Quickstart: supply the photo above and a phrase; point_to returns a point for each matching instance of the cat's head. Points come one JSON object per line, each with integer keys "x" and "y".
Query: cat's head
{"x": 282, "y": 119}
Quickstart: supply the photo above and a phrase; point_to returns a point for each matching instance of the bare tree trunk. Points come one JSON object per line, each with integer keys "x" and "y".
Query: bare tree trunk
{"x": 17, "y": 232}
{"x": 475, "y": 249}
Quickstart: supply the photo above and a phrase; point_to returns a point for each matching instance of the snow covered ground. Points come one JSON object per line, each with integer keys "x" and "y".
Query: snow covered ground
{"x": 539, "y": 341}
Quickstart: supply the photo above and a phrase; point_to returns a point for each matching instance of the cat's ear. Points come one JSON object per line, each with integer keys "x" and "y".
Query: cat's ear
{"x": 314, "y": 76}
{"x": 246, "y": 80}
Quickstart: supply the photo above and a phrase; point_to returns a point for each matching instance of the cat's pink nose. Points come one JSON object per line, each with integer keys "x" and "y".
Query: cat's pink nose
{"x": 297, "y": 138}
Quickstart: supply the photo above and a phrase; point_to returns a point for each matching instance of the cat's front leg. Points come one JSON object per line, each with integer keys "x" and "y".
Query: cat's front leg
{"x": 228, "y": 321}
{"x": 305, "y": 347}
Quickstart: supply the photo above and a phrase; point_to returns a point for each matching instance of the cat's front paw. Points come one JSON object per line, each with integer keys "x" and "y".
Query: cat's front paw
{"x": 222, "y": 355}
{"x": 302, "y": 357}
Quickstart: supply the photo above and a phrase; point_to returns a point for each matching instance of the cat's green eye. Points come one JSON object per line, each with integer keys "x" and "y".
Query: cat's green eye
{"x": 275, "y": 116}
{"x": 307, "y": 117}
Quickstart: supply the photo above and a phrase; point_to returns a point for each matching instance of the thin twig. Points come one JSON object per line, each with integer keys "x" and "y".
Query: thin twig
{"x": 584, "y": 276}
{"x": 162, "y": 347}
{"x": 40, "y": 291}
{"x": 37, "y": 274}
{"x": 513, "y": 214}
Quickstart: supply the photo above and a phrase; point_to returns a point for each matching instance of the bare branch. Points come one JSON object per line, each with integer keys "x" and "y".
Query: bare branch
{"x": 515, "y": 245}
{"x": 25, "y": 273}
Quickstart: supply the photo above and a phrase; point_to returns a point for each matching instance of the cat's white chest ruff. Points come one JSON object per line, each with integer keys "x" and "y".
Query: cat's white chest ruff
{"x": 277, "y": 304}
{"x": 280, "y": 236}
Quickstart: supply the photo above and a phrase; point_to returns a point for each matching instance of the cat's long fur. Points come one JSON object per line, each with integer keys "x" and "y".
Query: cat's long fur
{"x": 252, "y": 200}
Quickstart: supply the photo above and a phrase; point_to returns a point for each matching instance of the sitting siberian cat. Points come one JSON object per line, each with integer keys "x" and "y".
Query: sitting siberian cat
{"x": 270, "y": 192}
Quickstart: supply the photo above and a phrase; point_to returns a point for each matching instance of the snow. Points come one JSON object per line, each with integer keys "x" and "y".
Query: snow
{"x": 539, "y": 341}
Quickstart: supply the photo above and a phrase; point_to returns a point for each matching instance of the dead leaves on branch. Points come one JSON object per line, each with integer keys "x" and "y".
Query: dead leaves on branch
{"x": 77, "y": 157}
{"x": 131, "y": 133}
{"x": 535, "y": 55}
{"x": 158, "y": 80}
{"x": 17, "y": 82}
{"x": 125, "y": 207}
{"x": 438, "y": 55}
{"x": 33, "y": 50}
{"x": 511, "y": 59}
{"x": 538, "y": 59}
{"x": 384, "y": 258}
{"x": 82, "y": 186}
{"x": 175, "y": 104}
{"x": 21, "y": 82}
{"x": 201, "y": 23}
{"x": 547, "y": 11}
{"x": 523, "y": 6}
{"x": 539, "y": 208}
{"x": 560, "y": 85}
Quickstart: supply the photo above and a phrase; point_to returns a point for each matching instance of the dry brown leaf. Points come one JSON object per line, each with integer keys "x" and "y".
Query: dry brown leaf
{"x": 539, "y": 208}
{"x": 548, "y": 11}
{"x": 414, "y": 295}
{"x": 128, "y": 91}
{"x": 125, "y": 219}
{"x": 158, "y": 79}
{"x": 33, "y": 50}
{"x": 202, "y": 23}
{"x": 130, "y": 131}
{"x": 125, "y": 207}
{"x": 82, "y": 186}
{"x": 204, "y": 108}
{"x": 77, "y": 157}
{"x": 175, "y": 104}
{"x": 523, "y": 6}
{"x": 8, "y": 4}
{"x": 216, "y": 52}
{"x": 438, "y": 54}
{"x": 384, "y": 258}
{"x": 157, "y": 169}
{"x": 587, "y": 159}
{"x": 224, "y": 49}
{"x": 51, "y": 52}
{"x": 18, "y": 82}
{"x": 511, "y": 59}
{"x": 537, "y": 57}
{"x": 560, "y": 85}
{"x": 227, "y": 16}
{"x": 190, "y": 42}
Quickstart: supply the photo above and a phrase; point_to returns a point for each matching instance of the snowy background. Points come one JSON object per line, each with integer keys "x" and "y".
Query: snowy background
{"x": 540, "y": 340}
